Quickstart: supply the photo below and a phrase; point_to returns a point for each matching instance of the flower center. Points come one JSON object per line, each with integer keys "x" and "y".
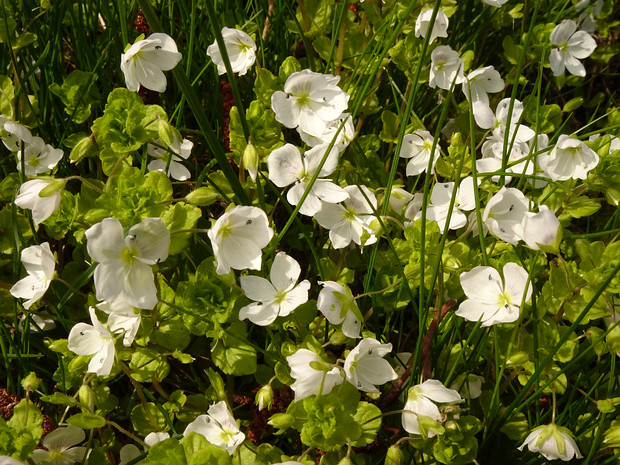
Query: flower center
{"x": 225, "y": 230}
{"x": 504, "y": 300}
{"x": 128, "y": 255}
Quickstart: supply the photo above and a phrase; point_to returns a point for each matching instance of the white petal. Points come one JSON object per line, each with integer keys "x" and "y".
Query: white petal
{"x": 285, "y": 271}
{"x": 139, "y": 286}
{"x": 260, "y": 313}
{"x": 105, "y": 241}
{"x": 482, "y": 283}
{"x": 84, "y": 339}
{"x": 436, "y": 391}
{"x": 285, "y": 165}
{"x": 515, "y": 278}
{"x": 294, "y": 298}
{"x": 257, "y": 288}
{"x": 151, "y": 240}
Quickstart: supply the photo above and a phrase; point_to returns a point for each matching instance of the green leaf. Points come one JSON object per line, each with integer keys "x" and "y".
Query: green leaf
{"x": 171, "y": 334}
{"x": 198, "y": 451}
{"x": 78, "y": 93}
{"x": 167, "y": 452}
{"x": 7, "y": 95}
{"x": 232, "y": 354}
{"x": 86, "y": 420}
{"x": 147, "y": 419}
{"x": 368, "y": 416}
{"x": 146, "y": 364}
{"x": 180, "y": 217}
{"x": 389, "y": 132}
{"x": 26, "y": 425}
{"x": 59, "y": 398}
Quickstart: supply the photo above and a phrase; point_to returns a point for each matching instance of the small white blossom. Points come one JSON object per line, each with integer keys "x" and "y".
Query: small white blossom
{"x": 569, "y": 159}
{"x": 177, "y": 152}
{"x": 504, "y": 214}
{"x": 542, "y": 230}
{"x": 440, "y": 27}
{"x": 218, "y": 427}
{"x": 60, "y": 447}
{"x": 29, "y": 198}
{"x": 552, "y": 442}
{"x": 365, "y": 368}
{"x": 418, "y": 147}
{"x": 145, "y": 61}
{"x": 241, "y": 50}
{"x": 343, "y": 139}
{"x": 446, "y": 68}
{"x": 350, "y": 220}
{"x": 14, "y": 134}
{"x": 237, "y": 238}
{"x": 572, "y": 47}
{"x": 122, "y": 319}
{"x": 311, "y": 101}
{"x": 38, "y": 156}
{"x": 124, "y": 269}
{"x": 421, "y": 402}
{"x": 310, "y": 379}
{"x": 439, "y": 206}
{"x": 39, "y": 262}
{"x": 491, "y": 301}
{"x": 287, "y": 166}
{"x": 95, "y": 340}
{"x": 278, "y": 296}
{"x": 336, "y": 302}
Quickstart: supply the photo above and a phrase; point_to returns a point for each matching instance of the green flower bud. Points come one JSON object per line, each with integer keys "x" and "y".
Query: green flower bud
{"x": 87, "y": 398}
{"x": 394, "y": 456}
{"x": 282, "y": 421}
{"x": 82, "y": 149}
{"x": 251, "y": 160}
{"x": 264, "y": 397}
{"x": 31, "y": 382}
{"x": 202, "y": 197}
{"x": 167, "y": 133}
{"x": 52, "y": 188}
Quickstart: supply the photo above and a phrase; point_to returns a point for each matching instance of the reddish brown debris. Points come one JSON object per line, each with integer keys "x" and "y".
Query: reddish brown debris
{"x": 140, "y": 24}
{"x": 258, "y": 427}
{"x": 7, "y": 403}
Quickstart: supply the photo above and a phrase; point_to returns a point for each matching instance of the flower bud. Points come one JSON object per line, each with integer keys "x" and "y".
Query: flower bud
{"x": 542, "y": 230}
{"x": 87, "y": 398}
{"x": 394, "y": 456}
{"x": 31, "y": 382}
{"x": 167, "y": 133}
{"x": 282, "y": 420}
{"x": 52, "y": 188}
{"x": 345, "y": 461}
{"x": 251, "y": 160}
{"x": 264, "y": 397}
{"x": 82, "y": 149}
{"x": 202, "y": 197}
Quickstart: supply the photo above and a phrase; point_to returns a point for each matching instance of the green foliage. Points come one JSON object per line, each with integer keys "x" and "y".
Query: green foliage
{"x": 78, "y": 93}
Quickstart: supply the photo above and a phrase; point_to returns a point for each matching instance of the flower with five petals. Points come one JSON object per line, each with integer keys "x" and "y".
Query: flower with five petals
{"x": 39, "y": 263}
{"x": 491, "y": 301}
{"x": 59, "y": 444}
{"x": 237, "y": 238}
{"x": 240, "y": 48}
{"x": 278, "y": 296}
{"x": 95, "y": 340}
{"x": 365, "y": 367}
{"x": 572, "y": 47}
{"x": 124, "y": 269}
{"x": 145, "y": 61}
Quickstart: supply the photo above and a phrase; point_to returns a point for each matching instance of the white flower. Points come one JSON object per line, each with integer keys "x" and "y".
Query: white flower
{"x": 343, "y": 139}
{"x": 144, "y": 62}
{"x": 336, "y": 302}
{"x": 38, "y": 322}
{"x": 287, "y": 166}
{"x": 349, "y": 221}
{"x": 491, "y": 301}
{"x": 277, "y": 297}
{"x": 14, "y": 134}
{"x": 59, "y": 444}
{"x": 237, "y": 238}
{"x": 310, "y": 100}
{"x": 6, "y": 460}
{"x": 569, "y": 159}
{"x": 41, "y": 207}
{"x": 130, "y": 452}
{"x": 441, "y": 196}
{"x": 440, "y": 27}
{"x": 399, "y": 198}
{"x": 124, "y": 269}
{"x": 542, "y": 230}
{"x": 39, "y": 262}
{"x": 419, "y": 403}
{"x": 498, "y": 122}
{"x": 122, "y": 318}
{"x": 240, "y": 48}
{"x": 365, "y": 368}
{"x": 481, "y": 82}
{"x": 176, "y": 152}
{"x": 418, "y": 147}
{"x": 95, "y": 340}
{"x": 446, "y": 68}
{"x": 218, "y": 427}
{"x": 588, "y": 14}
{"x": 309, "y": 379}
{"x": 504, "y": 214}
{"x": 552, "y": 442}
{"x": 39, "y": 157}
{"x": 519, "y": 160}
{"x": 573, "y": 46}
